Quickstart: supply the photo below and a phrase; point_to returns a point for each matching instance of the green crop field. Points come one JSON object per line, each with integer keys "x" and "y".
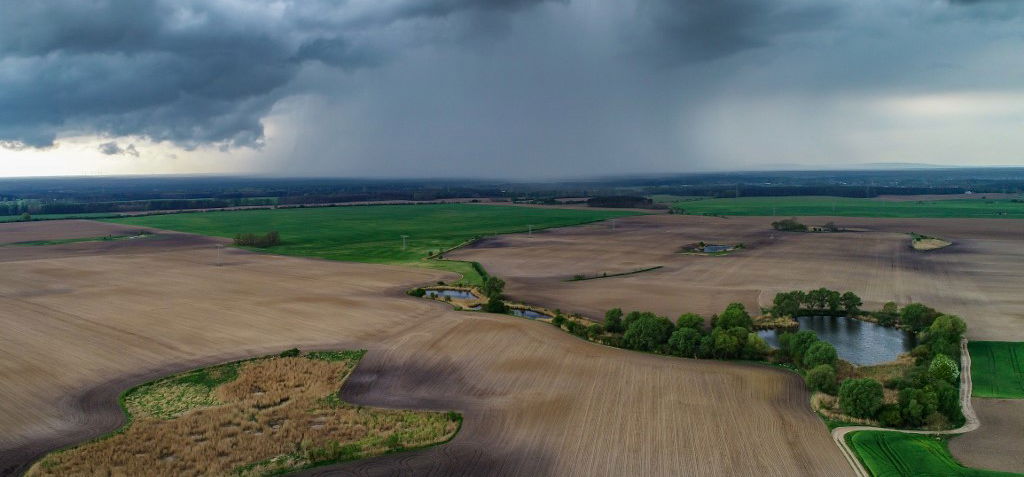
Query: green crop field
{"x": 891, "y": 454}
{"x": 374, "y": 233}
{"x": 850, "y": 207}
{"x": 997, "y": 369}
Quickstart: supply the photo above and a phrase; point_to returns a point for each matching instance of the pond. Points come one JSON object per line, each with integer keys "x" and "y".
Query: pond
{"x": 859, "y": 342}
{"x": 533, "y": 315}
{"x": 717, "y": 248}
{"x": 460, "y": 294}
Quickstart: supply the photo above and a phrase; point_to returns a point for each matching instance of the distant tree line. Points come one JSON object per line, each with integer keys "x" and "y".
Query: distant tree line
{"x": 816, "y": 302}
{"x": 620, "y": 201}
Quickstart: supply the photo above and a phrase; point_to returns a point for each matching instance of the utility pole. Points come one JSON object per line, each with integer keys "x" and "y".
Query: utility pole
{"x": 220, "y": 247}
{"x": 403, "y": 241}
{"x": 530, "y": 233}
{"x": 613, "y": 224}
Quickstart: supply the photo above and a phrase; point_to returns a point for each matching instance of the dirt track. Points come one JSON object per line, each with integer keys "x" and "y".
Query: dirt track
{"x": 81, "y": 327}
{"x": 979, "y": 277}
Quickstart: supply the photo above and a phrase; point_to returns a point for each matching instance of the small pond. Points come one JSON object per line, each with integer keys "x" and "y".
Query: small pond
{"x": 716, "y": 248}
{"x": 533, "y": 315}
{"x": 460, "y": 294}
{"x": 856, "y": 341}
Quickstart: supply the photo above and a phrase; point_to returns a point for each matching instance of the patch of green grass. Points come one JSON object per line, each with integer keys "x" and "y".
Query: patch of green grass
{"x": 353, "y": 356}
{"x": 887, "y": 454}
{"x": 171, "y": 397}
{"x": 373, "y": 234}
{"x": 852, "y": 207}
{"x": 997, "y": 369}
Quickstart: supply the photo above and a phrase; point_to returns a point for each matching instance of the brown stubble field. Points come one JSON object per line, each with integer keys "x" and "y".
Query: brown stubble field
{"x": 979, "y": 277}
{"x": 96, "y": 318}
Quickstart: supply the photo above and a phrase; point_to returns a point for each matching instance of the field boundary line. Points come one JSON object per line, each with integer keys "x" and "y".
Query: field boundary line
{"x": 971, "y": 421}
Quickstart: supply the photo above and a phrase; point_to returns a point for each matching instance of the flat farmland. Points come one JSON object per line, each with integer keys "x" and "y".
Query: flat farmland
{"x": 979, "y": 277}
{"x": 373, "y": 234}
{"x": 97, "y": 318}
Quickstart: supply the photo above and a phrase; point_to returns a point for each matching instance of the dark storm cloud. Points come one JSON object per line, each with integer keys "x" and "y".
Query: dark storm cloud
{"x": 189, "y": 72}
{"x": 112, "y": 148}
{"x": 698, "y": 30}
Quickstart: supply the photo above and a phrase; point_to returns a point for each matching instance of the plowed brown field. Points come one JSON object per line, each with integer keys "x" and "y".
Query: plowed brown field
{"x": 979, "y": 277}
{"x": 92, "y": 319}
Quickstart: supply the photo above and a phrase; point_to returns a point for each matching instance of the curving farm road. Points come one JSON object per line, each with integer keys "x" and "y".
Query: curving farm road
{"x": 971, "y": 423}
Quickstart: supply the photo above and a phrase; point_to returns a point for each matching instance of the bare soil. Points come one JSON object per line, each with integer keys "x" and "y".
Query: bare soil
{"x": 81, "y": 327}
{"x": 978, "y": 279}
{"x": 997, "y": 444}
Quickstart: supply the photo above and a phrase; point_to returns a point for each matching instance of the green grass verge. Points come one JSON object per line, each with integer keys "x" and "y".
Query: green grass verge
{"x": 886, "y": 454}
{"x": 850, "y": 207}
{"x": 373, "y": 234}
{"x": 997, "y": 369}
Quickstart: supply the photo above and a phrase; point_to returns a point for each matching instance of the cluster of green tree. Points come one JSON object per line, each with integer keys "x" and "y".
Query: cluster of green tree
{"x": 789, "y": 225}
{"x": 620, "y": 201}
{"x": 929, "y": 393}
{"x": 731, "y": 335}
{"x": 268, "y": 239}
{"x": 816, "y": 302}
{"x": 64, "y": 207}
{"x": 915, "y": 316}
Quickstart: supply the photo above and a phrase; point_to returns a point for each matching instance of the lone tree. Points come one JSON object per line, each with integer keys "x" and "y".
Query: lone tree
{"x": 860, "y": 397}
{"x": 493, "y": 287}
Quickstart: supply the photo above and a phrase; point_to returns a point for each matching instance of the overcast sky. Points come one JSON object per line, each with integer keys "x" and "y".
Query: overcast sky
{"x": 506, "y": 88}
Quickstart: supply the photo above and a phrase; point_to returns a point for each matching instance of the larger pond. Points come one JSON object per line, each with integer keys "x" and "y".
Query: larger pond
{"x": 859, "y": 342}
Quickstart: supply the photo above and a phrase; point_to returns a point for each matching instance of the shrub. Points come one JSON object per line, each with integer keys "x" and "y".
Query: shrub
{"x": 755, "y": 347}
{"x": 889, "y": 416}
{"x": 613, "y": 321}
{"x": 860, "y": 397}
{"x": 290, "y": 353}
{"x": 648, "y": 332}
{"x": 822, "y": 378}
{"x": 943, "y": 369}
{"x": 25, "y": 217}
{"x": 495, "y": 305}
{"x": 819, "y": 353}
{"x": 269, "y": 239}
{"x": 685, "y": 342}
{"x": 917, "y": 316}
{"x": 789, "y": 225}
{"x": 595, "y": 330}
{"x": 417, "y": 292}
{"x": 558, "y": 320}
{"x": 793, "y": 346}
{"x": 916, "y": 404}
{"x": 947, "y": 328}
{"x": 734, "y": 315}
{"x": 690, "y": 320}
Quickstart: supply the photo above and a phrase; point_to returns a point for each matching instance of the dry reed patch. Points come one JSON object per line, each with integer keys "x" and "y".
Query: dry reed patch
{"x": 257, "y": 417}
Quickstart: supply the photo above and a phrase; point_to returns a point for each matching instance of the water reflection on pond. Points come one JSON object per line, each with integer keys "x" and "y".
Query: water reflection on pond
{"x": 716, "y": 248}
{"x": 461, "y": 294}
{"x": 856, "y": 341}
{"x": 533, "y": 315}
